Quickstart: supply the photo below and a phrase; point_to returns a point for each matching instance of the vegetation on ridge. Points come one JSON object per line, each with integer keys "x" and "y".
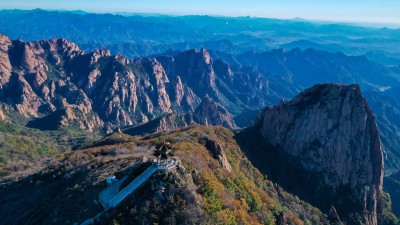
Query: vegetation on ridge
{"x": 200, "y": 192}
{"x": 22, "y": 147}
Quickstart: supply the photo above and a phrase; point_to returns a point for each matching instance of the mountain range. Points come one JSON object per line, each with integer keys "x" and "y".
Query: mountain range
{"x": 54, "y": 83}
{"x": 136, "y": 35}
{"x": 217, "y": 181}
{"x": 266, "y": 129}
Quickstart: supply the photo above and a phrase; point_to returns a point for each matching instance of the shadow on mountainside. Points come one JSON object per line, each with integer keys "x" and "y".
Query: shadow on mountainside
{"x": 285, "y": 171}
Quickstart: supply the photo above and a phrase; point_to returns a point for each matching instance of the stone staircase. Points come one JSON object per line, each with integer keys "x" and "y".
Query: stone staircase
{"x": 136, "y": 183}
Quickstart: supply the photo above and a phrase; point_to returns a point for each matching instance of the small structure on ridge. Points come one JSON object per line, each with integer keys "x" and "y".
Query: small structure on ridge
{"x": 164, "y": 151}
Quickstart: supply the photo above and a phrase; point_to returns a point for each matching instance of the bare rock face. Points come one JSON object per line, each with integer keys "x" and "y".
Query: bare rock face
{"x": 167, "y": 122}
{"x": 68, "y": 116}
{"x": 333, "y": 216}
{"x": 26, "y": 101}
{"x": 194, "y": 68}
{"x": 207, "y": 113}
{"x": 218, "y": 152}
{"x": 75, "y": 115}
{"x": 3, "y": 114}
{"x": 330, "y": 142}
{"x": 204, "y": 76}
{"x": 212, "y": 113}
{"x": 39, "y": 78}
{"x": 179, "y": 90}
{"x": 5, "y": 64}
{"x": 157, "y": 80}
{"x": 183, "y": 96}
{"x": 36, "y": 85}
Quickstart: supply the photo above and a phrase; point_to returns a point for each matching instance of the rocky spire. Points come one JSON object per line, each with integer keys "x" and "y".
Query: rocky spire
{"x": 329, "y": 133}
{"x": 212, "y": 113}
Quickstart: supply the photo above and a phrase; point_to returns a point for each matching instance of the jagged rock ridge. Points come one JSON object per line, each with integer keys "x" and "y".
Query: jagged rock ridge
{"x": 211, "y": 113}
{"x": 329, "y": 140}
{"x": 207, "y": 113}
{"x": 41, "y": 78}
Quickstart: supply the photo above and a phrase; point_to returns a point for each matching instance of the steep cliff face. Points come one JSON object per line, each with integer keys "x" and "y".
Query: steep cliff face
{"x": 235, "y": 89}
{"x": 168, "y": 122}
{"x": 211, "y": 113}
{"x": 5, "y": 64}
{"x": 34, "y": 83}
{"x": 329, "y": 134}
{"x": 218, "y": 152}
{"x": 197, "y": 68}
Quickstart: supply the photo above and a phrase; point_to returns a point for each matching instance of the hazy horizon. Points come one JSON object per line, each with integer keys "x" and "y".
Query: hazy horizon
{"x": 125, "y": 13}
{"x": 366, "y": 13}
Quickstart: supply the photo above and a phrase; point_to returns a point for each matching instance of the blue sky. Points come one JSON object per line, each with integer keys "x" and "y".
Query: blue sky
{"x": 365, "y": 11}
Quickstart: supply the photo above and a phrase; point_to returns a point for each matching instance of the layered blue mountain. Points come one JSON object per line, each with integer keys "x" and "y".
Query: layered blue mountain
{"x": 137, "y": 35}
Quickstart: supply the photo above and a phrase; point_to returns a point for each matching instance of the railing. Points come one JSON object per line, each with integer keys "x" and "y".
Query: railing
{"x": 168, "y": 164}
{"x": 136, "y": 183}
{"x": 140, "y": 180}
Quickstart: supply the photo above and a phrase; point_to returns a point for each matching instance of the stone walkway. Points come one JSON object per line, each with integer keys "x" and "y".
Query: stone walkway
{"x": 137, "y": 182}
{"x": 110, "y": 197}
{"x": 111, "y": 191}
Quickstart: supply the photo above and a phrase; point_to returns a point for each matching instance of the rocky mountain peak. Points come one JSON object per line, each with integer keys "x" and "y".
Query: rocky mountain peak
{"x": 4, "y": 40}
{"x": 96, "y": 55}
{"x": 329, "y": 133}
{"x": 57, "y": 44}
{"x": 211, "y": 113}
{"x": 198, "y": 55}
{"x": 206, "y": 55}
{"x": 5, "y": 64}
{"x": 207, "y": 113}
